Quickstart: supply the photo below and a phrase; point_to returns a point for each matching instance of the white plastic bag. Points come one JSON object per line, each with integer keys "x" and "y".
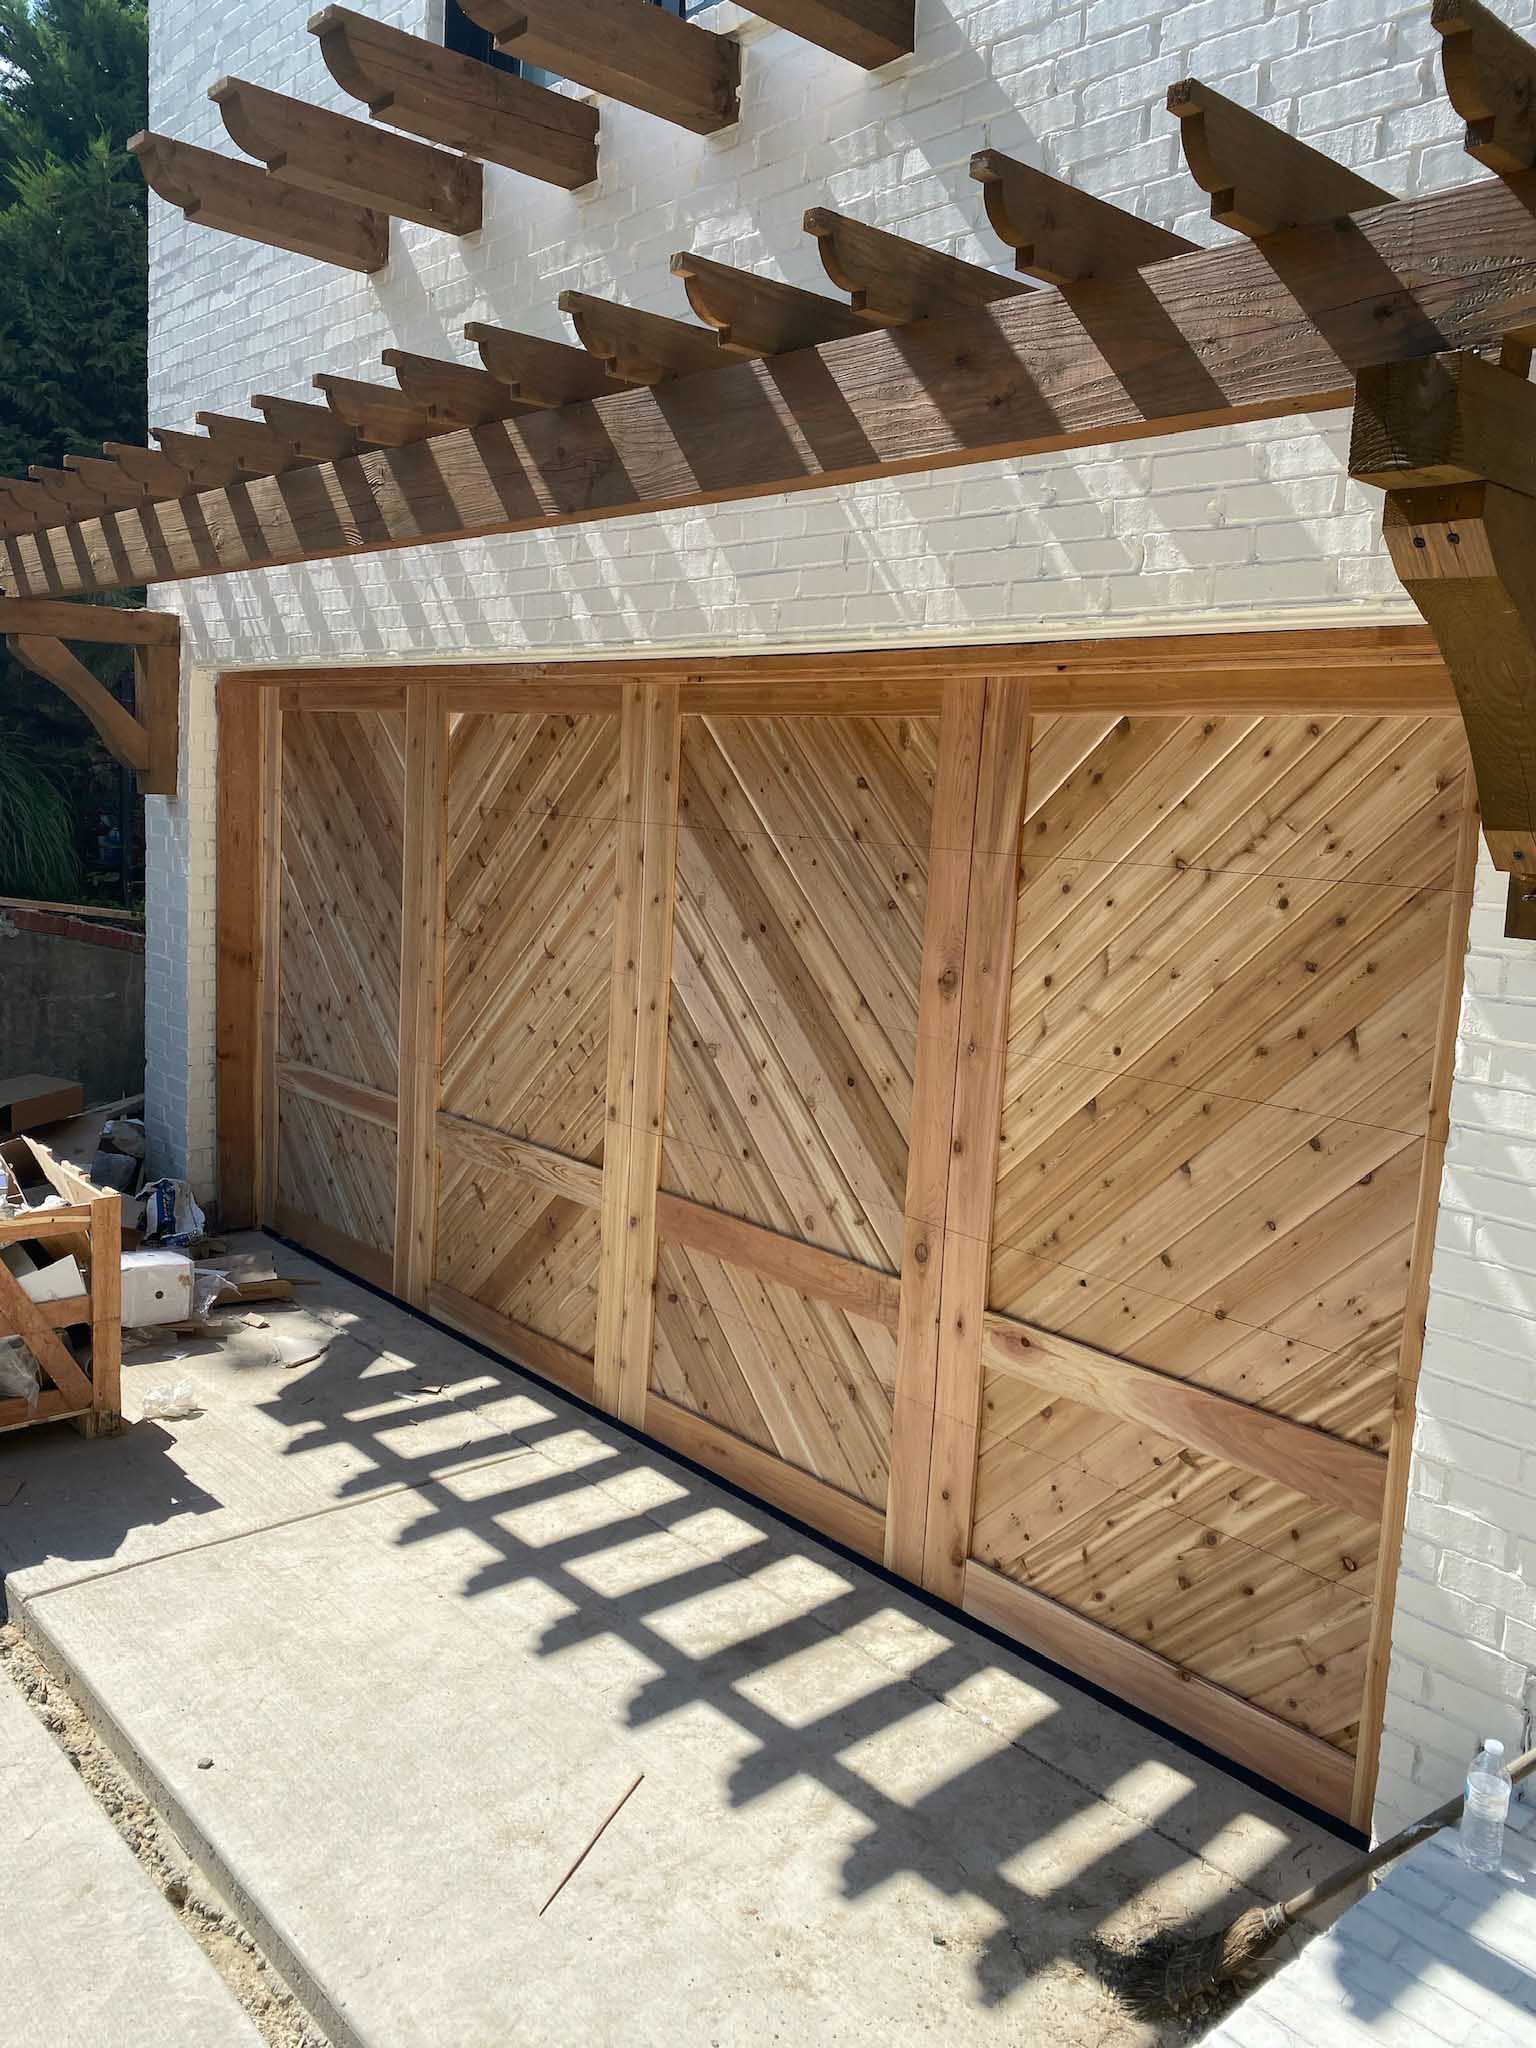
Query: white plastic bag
{"x": 19, "y": 1376}
{"x": 171, "y": 1403}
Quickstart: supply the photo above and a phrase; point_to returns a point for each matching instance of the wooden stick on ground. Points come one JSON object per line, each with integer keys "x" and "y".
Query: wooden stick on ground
{"x": 591, "y": 1845}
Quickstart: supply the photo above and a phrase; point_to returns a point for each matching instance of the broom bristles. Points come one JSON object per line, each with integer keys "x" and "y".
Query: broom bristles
{"x": 1169, "y": 1974}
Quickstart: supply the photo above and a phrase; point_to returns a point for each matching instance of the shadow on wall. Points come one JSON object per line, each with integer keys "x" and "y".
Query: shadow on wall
{"x": 72, "y": 1003}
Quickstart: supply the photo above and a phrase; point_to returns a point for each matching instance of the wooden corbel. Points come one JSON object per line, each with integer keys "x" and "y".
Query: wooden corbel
{"x": 1452, "y": 442}
{"x": 146, "y": 739}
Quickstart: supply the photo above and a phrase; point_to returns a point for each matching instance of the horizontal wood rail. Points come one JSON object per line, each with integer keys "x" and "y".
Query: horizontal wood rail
{"x": 1372, "y": 670}
{"x": 543, "y": 1355}
{"x": 857, "y": 1289}
{"x": 1312, "y": 1769}
{"x": 577, "y": 1179}
{"x": 354, "y": 1098}
{"x": 1216, "y": 336}
{"x": 853, "y": 1523}
{"x": 1305, "y": 1460}
{"x": 104, "y": 624}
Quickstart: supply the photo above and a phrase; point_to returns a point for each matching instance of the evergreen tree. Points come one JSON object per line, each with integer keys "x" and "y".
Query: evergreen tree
{"x": 73, "y": 314}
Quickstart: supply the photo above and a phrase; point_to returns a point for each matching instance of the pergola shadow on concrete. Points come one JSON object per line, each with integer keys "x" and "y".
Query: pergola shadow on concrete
{"x": 430, "y": 1620}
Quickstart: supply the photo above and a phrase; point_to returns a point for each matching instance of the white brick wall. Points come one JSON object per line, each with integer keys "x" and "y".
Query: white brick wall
{"x": 1256, "y": 526}
{"x": 1464, "y": 1634}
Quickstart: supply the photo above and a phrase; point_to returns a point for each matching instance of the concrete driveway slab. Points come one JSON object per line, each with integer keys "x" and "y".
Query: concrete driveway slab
{"x": 94, "y": 1956}
{"x": 858, "y": 1820}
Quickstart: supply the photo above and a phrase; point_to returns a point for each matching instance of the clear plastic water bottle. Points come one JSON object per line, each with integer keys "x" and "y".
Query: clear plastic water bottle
{"x": 1486, "y": 1808}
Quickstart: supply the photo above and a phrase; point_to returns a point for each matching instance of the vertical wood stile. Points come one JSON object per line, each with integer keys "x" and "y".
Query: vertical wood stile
{"x": 106, "y": 1314}
{"x": 263, "y": 1049}
{"x": 421, "y": 989}
{"x": 645, "y": 894}
{"x": 243, "y": 917}
{"x": 1394, "y": 1506}
{"x": 975, "y": 1133}
{"x": 951, "y": 837}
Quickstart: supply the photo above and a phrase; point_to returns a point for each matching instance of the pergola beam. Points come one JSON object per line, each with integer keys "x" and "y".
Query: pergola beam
{"x": 867, "y": 32}
{"x": 627, "y": 49}
{"x": 1218, "y": 336}
{"x": 342, "y": 158}
{"x": 429, "y": 91}
{"x": 222, "y": 192}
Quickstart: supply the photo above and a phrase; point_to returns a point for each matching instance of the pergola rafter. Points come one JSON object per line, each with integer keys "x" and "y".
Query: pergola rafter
{"x": 933, "y": 362}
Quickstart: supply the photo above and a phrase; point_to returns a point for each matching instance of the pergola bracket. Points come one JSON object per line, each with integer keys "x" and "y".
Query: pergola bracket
{"x": 1452, "y": 442}
{"x": 146, "y": 739}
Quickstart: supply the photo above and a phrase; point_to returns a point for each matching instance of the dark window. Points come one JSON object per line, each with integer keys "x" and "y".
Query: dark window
{"x": 470, "y": 40}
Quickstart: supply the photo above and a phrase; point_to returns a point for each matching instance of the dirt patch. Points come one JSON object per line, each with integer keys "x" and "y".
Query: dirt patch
{"x": 273, "y": 2009}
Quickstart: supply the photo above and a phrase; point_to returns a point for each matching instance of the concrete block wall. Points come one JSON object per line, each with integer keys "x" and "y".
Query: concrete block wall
{"x": 1251, "y": 527}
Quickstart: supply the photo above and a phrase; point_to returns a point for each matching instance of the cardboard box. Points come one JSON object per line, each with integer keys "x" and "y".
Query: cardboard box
{"x": 157, "y": 1287}
{"x": 28, "y": 1101}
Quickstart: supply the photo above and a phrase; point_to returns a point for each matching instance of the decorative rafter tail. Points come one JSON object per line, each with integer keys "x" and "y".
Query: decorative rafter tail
{"x": 313, "y": 429}
{"x": 339, "y": 157}
{"x": 452, "y": 392}
{"x": 1490, "y": 79}
{"x": 1261, "y": 179}
{"x": 640, "y": 55}
{"x": 448, "y": 98}
{"x": 891, "y": 281}
{"x": 540, "y": 372}
{"x": 758, "y": 316}
{"x": 222, "y": 192}
{"x": 381, "y": 415}
{"x": 1061, "y": 234}
{"x": 637, "y": 347}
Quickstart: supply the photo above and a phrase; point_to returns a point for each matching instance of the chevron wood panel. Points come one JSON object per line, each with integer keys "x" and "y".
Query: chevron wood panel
{"x": 802, "y": 880}
{"x": 340, "y": 848}
{"x": 519, "y": 1250}
{"x": 797, "y": 1377}
{"x": 1230, "y": 949}
{"x": 336, "y": 1168}
{"x": 532, "y": 811}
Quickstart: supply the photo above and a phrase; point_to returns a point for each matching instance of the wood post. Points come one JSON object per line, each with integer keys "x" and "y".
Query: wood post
{"x": 952, "y": 1171}
{"x": 244, "y": 708}
{"x": 639, "y": 1004}
{"x": 1394, "y": 1506}
{"x": 421, "y": 991}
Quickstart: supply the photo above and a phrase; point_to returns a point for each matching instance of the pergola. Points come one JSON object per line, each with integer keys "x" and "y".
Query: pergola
{"x": 1420, "y": 313}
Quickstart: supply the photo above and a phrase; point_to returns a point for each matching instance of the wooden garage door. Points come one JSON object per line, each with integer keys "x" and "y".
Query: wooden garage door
{"x": 340, "y": 806}
{"x": 530, "y": 841}
{"x": 1005, "y": 1136}
{"x": 1229, "y": 956}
